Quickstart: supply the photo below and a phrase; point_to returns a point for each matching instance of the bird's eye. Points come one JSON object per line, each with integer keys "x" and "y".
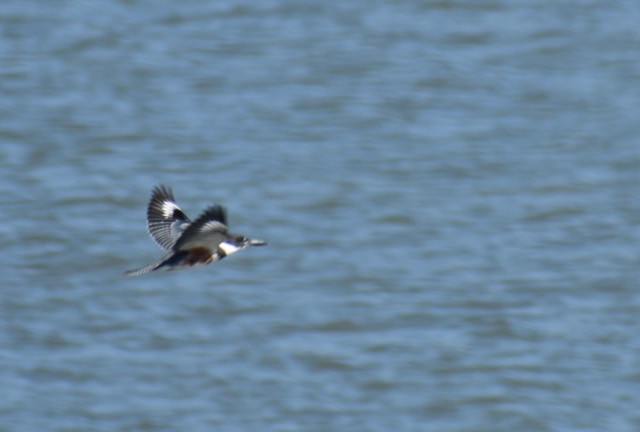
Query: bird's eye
{"x": 241, "y": 239}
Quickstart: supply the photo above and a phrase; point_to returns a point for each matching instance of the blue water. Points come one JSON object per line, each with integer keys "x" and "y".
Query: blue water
{"x": 450, "y": 192}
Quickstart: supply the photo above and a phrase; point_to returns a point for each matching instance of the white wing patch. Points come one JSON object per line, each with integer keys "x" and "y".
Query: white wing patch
{"x": 212, "y": 226}
{"x": 168, "y": 208}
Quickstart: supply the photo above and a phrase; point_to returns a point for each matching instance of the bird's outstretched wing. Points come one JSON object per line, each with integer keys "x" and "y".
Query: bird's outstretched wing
{"x": 165, "y": 220}
{"x": 208, "y": 231}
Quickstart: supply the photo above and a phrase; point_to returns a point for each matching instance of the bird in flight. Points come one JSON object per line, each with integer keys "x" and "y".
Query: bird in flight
{"x": 187, "y": 243}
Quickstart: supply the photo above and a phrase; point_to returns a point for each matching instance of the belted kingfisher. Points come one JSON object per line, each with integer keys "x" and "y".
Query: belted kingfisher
{"x": 203, "y": 241}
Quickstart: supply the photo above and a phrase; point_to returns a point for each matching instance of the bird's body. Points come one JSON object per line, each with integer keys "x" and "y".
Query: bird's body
{"x": 188, "y": 244}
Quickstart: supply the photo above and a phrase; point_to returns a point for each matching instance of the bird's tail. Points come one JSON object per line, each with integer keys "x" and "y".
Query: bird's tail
{"x": 151, "y": 267}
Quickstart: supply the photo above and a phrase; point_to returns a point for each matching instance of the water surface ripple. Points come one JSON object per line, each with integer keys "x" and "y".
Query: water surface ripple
{"x": 449, "y": 191}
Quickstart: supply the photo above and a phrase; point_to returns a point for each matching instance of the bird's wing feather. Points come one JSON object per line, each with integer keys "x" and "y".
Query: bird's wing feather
{"x": 208, "y": 231}
{"x": 165, "y": 220}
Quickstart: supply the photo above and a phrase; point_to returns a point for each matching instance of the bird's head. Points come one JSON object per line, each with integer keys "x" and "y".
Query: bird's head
{"x": 234, "y": 243}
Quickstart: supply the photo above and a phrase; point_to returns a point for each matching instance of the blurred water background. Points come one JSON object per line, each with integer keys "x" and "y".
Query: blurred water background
{"x": 449, "y": 189}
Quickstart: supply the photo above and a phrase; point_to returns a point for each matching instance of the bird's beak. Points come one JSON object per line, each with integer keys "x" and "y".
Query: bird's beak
{"x": 257, "y": 242}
